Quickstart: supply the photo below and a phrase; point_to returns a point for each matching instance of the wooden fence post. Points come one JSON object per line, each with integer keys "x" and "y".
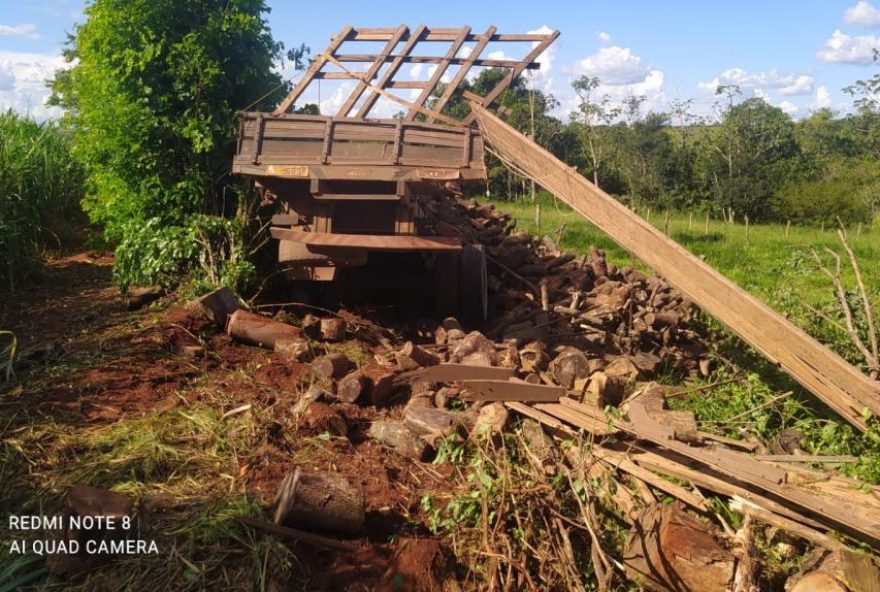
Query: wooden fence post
{"x": 747, "y": 229}
{"x": 787, "y": 227}
{"x": 690, "y": 220}
{"x": 538, "y": 218}
{"x": 707, "y": 222}
{"x": 666, "y": 224}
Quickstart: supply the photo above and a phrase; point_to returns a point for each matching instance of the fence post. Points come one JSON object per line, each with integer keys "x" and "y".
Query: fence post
{"x": 787, "y": 227}
{"x": 690, "y": 220}
{"x": 707, "y": 222}
{"x": 666, "y": 224}
{"x": 538, "y": 218}
{"x": 747, "y": 229}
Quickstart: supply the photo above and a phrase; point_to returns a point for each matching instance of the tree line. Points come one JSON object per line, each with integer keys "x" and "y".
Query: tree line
{"x": 750, "y": 159}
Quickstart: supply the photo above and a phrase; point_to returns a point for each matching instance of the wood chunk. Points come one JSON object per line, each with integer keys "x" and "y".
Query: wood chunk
{"x": 569, "y": 366}
{"x": 841, "y": 570}
{"x": 321, "y": 417}
{"x": 491, "y": 420}
{"x": 216, "y": 306}
{"x": 510, "y": 390}
{"x": 321, "y": 501}
{"x": 646, "y": 362}
{"x": 382, "y": 384}
{"x": 623, "y": 368}
{"x": 297, "y": 349}
{"x": 137, "y": 298}
{"x": 333, "y": 329}
{"x": 258, "y": 330}
{"x": 606, "y": 390}
{"x": 331, "y": 366}
{"x": 474, "y": 349}
{"x": 397, "y": 435}
{"x": 412, "y": 357}
{"x": 668, "y": 549}
{"x": 352, "y": 387}
{"x": 539, "y": 443}
{"x": 432, "y": 424}
{"x": 533, "y": 357}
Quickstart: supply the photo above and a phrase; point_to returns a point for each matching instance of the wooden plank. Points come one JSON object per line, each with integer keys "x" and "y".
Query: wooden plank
{"x": 313, "y": 69}
{"x": 818, "y": 369}
{"x": 510, "y": 390}
{"x": 541, "y": 417}
{"x": 463, "y": 69}
{"x": 370, "y": 74}
{"x": 597, "y": 427}
{"x": 441, "y": 34}
{"x": 456, "y": 372}
{"x": 421, "y": 59}
{"x": 368, "y": 241}
{"x": 390, "y": 71}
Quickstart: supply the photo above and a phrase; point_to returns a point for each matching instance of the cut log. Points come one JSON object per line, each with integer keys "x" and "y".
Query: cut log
{"x": 353, "y": 387}
{"x": 215, "y": 307}
{"x": 668, "y": 549}
{"x": 432, "y": 424}
{"x": 492, "y": 420}
{"x": 333, "y": 329}
{"x": 294, "y": 350}
{"x": 331, "y": 366}
{"x": 475, "y": 349}
{"x": 841, "y": 570}
{"x": 137, "y": 298}
{"x": 320, "y": 501}
{"x": 412, "y": 357}
{"x": 321, "y": 417}
{"x": 382, "y": 384}
{"x": 533, "y": 357}
{"x": 395, "y": 434}
{"x": 569, "y": 366}
{"x": 258, "y": 330}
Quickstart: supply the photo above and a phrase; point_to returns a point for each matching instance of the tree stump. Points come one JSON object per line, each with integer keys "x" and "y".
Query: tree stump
{"x": 412, "y": 357}
{"x": 320, "y": 501}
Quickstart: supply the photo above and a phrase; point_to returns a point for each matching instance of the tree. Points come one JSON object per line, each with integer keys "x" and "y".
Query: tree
{"x": 596, "y": 114}
{"x": 151, "y": 96}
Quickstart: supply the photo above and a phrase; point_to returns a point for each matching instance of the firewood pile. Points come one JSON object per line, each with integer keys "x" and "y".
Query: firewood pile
{"x": 540, "y": 293}
{"x": 568, "y": 354}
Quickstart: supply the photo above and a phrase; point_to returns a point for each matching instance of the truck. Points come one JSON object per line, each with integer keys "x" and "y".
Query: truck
{"x": 353, "y": 193}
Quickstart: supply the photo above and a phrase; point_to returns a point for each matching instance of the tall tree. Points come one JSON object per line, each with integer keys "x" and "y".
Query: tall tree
{"x": 596, "y": 113}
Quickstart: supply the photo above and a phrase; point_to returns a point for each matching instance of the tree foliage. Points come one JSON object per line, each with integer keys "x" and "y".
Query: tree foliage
{"x": 151, "y": 96}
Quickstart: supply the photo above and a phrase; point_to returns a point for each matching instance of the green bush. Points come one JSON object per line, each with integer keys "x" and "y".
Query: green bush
{"x": 849, "y": 191}
{"x": 40, "y": 189}
{"x": 151, "y": 96}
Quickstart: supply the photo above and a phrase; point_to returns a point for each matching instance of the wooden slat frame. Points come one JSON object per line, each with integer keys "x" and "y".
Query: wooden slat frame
{"x": 462, "y": 71}
{"x": 394, "y": 60}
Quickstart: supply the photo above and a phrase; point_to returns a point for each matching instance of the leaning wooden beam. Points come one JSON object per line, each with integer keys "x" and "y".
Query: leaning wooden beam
{"x": 314, "y": 68}
{"x": 841, "y": 386}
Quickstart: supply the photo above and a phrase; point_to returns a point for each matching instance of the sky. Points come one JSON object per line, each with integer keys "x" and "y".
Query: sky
{"x": 798, "y": 55}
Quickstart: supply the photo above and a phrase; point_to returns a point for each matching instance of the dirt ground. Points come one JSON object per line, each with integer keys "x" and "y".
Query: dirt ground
{"x": 93, "y": 371}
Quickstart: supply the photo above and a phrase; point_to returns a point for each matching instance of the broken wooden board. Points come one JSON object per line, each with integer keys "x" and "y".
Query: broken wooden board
{"x": 510, "y": 390}
{"x": 597, "y": 426}
{"x": 455, "y": 373}
{"x": 840, "y": 385}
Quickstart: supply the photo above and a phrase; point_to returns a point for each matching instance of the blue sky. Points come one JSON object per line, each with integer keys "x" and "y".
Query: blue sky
{"x": 798, "y": 55}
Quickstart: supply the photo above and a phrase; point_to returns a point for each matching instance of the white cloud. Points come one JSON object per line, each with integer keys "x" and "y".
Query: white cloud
{"x": 788, "y": 107}
{"x": 823, "y": 98}
{"x": 27, "y": 30}
{"x": 603, "y": 36}
{"x": 613, "y": 65}
{"x": 785, "y": 84}
{"x": 841, "y": 48}
{"x": 542, "y": 78}
{"x": 23, "y": 79}
{"x": 862, "y": 14}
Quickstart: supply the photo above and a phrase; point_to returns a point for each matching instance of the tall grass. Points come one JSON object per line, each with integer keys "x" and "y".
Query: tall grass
{"x": 40, "y": 190}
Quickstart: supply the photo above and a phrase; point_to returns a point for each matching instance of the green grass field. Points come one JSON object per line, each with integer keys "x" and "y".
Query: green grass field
{"x": 778, "y": 268}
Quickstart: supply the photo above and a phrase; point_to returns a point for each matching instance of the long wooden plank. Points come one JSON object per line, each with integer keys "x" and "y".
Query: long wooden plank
{"x": 510, "y": 390}
{"x": 463, "y": 69}
{"x": 368, "y": 241}
{"x": 841, "y": 386}
{"x": 459, "y": 40}
{"x": 455, "y": 372}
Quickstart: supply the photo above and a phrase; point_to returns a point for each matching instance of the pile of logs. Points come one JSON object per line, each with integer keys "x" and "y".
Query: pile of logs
{"x": 540, "y": 293}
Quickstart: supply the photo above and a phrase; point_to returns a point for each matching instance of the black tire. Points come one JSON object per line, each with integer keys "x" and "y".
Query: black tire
{"x": 473, "y": 285}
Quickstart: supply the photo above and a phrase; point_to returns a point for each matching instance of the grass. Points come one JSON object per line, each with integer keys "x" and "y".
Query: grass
{"x": 40, "y": 189}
